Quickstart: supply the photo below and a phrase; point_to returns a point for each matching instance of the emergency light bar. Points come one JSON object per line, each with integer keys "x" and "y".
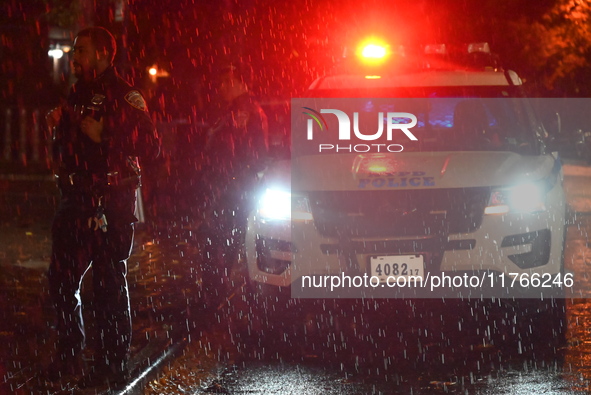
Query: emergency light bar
{"x": 478, "y": 47}
{"x": 373, "y": 53}
{"x": 435, "y": 49}
{"x": 442, "y": 49}
{"x": 375, "y": 49}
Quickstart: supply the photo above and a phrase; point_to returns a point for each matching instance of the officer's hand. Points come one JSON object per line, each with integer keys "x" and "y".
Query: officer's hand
{"x": 53, "y": 117}
{"x": 92, "y": 128}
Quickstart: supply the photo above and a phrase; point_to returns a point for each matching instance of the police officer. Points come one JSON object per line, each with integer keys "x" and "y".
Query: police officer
{"x": 98, "y": 137}
{"x": 236, "y": 151}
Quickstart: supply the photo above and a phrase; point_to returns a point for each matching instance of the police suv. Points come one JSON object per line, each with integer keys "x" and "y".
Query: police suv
{"x": 412, "y": 174}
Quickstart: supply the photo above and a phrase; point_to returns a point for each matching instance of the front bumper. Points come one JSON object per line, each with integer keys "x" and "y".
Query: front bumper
{"x": 280, "y": 253}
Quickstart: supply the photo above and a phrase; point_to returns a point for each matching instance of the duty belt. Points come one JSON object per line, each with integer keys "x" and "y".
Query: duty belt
{"x": 89, "y": 180}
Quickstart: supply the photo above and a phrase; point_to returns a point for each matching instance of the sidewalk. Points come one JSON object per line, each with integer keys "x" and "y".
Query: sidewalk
{"x": 163, "y": 285}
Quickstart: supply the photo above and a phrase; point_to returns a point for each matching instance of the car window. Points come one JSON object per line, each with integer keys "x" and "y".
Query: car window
{"x": 443, "y": 123}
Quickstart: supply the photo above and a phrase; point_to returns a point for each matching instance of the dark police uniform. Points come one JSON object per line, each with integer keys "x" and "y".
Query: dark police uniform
{"x": 236, "y": 151}
{"x": 91, "y": 177}
{"x": 237, "y": 145}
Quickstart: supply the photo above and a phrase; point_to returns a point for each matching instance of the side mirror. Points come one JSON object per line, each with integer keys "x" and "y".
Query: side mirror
{"x": 553, "y": 124}
{"x": 553, "y": 132}
{"x": 558, "y": 124}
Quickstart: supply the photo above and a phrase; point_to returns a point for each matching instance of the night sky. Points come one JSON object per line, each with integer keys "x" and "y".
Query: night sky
{"x": 290, "y": 43}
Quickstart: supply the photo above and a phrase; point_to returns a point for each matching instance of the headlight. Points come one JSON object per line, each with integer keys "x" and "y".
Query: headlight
{"x": 276, "y": 204}
{"x": 523, "y": 198}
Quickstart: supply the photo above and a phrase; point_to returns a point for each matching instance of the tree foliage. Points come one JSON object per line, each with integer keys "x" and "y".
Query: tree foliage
{"x": 63, "y": 13}
{"x": 557, "y": 47}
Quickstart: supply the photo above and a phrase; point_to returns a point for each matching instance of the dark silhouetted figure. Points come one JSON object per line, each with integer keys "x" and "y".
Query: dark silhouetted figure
{"x": 98, "y": 137}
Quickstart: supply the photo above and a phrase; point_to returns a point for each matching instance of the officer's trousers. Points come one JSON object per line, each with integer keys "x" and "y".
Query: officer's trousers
{"x": 224, "y": 228}
{"x": 76, "y": 249}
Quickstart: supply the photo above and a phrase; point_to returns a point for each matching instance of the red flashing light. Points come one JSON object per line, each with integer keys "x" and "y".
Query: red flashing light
{"x": 374, "y": 51}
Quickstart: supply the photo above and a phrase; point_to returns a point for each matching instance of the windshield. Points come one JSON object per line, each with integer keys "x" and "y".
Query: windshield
{"x": 471, "y": 124}
{"x": 448, "y": 118}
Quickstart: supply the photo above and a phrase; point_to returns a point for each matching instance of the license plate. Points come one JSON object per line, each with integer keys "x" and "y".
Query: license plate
{"x": 394, "y": 266}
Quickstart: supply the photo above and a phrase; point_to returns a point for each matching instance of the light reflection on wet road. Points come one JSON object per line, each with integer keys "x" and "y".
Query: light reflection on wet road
{"x": 365, "y": 347}
{"x": 489, "y": 355}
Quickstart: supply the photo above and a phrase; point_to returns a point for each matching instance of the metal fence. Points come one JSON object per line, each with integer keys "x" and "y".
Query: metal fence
{"x": 24, "y": 141}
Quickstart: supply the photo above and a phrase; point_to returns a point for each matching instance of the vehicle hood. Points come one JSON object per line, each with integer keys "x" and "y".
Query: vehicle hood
{"x": 415, "y": 170}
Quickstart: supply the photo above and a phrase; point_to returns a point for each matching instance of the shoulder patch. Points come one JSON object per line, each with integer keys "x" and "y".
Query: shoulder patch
{"x": 136, "y": 100}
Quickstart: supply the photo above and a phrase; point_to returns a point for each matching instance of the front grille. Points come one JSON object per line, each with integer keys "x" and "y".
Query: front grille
{"x": 425, "y": 212}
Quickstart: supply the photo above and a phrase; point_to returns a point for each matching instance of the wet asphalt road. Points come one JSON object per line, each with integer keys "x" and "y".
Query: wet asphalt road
{"x": 347, "y": 347}
{"x": 402, "y": 347}
{"x": 163, "y": 285}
